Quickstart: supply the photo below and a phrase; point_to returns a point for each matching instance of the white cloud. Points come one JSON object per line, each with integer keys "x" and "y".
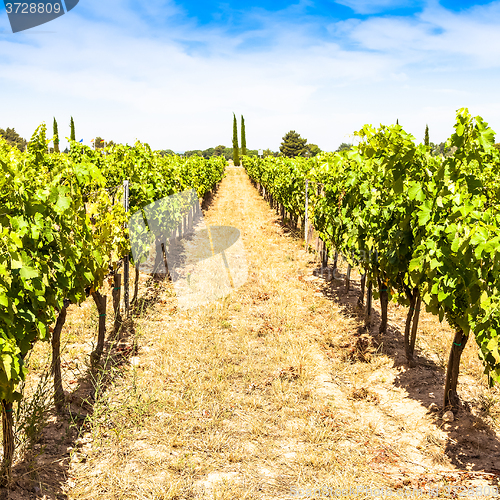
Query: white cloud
{"x": 123, "y": 79}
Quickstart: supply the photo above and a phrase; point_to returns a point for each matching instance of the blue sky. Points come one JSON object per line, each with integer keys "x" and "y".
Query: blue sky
{"x": 172, "y": 73}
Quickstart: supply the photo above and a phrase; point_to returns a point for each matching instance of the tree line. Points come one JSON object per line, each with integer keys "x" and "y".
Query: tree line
{"x": 292, "y": 144}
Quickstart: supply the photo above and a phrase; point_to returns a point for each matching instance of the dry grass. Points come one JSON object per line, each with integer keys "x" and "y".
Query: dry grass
{"x": 273, "y": 389}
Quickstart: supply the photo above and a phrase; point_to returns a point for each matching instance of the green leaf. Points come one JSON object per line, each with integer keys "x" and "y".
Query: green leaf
{"x": 424, "y": 214}
{"x": 4, "y": 300}
{"x": 416, "y": 193}
{"x": 27, "y": 272}
{"x": 62, "y": 204}
{"x": 398, "y": 186}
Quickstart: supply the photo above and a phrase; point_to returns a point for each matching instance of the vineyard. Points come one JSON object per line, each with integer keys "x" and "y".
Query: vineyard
{"x": 420, "y": 228}
{"x": 270, "y": 390}
{"x": 64, "y": 230}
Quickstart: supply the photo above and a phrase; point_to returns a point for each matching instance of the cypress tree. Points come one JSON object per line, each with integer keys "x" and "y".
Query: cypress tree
{"x": 56, "y": 137}
{"x": 236, "y": 151}
{"x": 426, "y": 139}
{"x": 72, "y": 136}
{"x": 243, "y": 137}
{"x": 397, "y": 121}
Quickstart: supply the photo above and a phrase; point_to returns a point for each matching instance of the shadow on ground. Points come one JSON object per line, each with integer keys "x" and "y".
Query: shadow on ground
{"x": 472, "y": 445}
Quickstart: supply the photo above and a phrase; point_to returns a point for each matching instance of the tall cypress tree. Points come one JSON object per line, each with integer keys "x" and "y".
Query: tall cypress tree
{"x": 243, "y": 137}
{"x": 236, "y": 150}
{"x": 72, "y": 136}
{"x": 426, "y": 139}
{"x": 56, "y": 137}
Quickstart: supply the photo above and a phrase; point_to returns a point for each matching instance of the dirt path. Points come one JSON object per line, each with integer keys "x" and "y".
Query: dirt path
{"x": 275, "y": 389}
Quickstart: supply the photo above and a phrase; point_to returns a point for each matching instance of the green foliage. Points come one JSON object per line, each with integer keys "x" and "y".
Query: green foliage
{"x": 219, "y": 150}
{"x": 312, "y": 150}
{"x": 426, "y": 137}
{"x": 293, "y": 145}
{"x": 56, "y": 137}
{"x": 72, "y": 131}
{"x": 236, "y": 152}
{"x": 410, "y": 219}
{"x": 268, "y": 152}
{"x": 163, "y": 152}
{"x": 243, "y": 137}
{"x": 344, "y": 147}
{"x": 63, "y": 227}
{"x": 13, "y": 138}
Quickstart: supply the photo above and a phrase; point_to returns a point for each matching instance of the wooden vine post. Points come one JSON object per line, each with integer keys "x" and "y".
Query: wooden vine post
{"x": 126, "y": 258}
{"x": 306, "y": 221}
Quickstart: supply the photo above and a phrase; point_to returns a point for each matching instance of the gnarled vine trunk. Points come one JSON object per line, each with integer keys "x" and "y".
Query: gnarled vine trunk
{"x": 411, "y": 325}
{"x": 8, "y": 442}
{"x": 136, "y": 285}
{"x": 369, "y": 297}
{"x": 100, "y": 302}
{"x": 414, "y": 327}
{"x": 450, "y": 388}
{"x": 384, "y": 304}
{"x": 361, "y": 299}
{"x": 56, "y": 359}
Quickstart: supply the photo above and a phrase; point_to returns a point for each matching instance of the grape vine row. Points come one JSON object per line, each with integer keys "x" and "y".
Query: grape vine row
{"x": 420, "y": 228}
{"x": 63, "y": 229}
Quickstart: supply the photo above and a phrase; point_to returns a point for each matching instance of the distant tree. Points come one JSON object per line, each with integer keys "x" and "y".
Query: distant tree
{"x": 312, "y": 150}
{"x": 110, "y": 143}
{"x": 56, "y": 136}
{"x": 228, "y": 153}
{"x": 166, "y": 152}
{"x": 243, "y": 137}
{"x": 267, "y": 152}
{"x": 497, "y": 145}
{"x": 397, "y": 121}
{"x": 236, "y": 152}
{"x": 72, "y": 133}
{"x": 293, "y": 145}
{"x": 344, "y": 147}
{"x": 99, "y": 143}
{"x": 194, "y": 152}
{"x": 219, "y": 150}
{"x": 426, "y": 137}
{"x": 441, "y": 149}
{"x": 208, "y": 153}
{"x": 13, "y": 138}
